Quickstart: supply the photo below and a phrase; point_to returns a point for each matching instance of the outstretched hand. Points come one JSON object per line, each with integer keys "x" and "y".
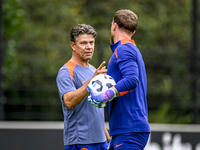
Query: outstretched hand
{"x": 101, "y": 69}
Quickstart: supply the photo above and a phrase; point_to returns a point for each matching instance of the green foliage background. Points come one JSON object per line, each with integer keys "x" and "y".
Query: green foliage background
{"x": 36, "y": 37}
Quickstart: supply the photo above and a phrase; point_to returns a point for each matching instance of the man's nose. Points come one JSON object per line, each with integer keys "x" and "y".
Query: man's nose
{"x": 89, "y": 45}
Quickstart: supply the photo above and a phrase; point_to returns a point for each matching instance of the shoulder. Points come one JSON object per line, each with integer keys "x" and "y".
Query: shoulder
{"x": 63, "y": 71}
{"x": 92, "y": 67}
{"x": 126, "y": 50}
{"x": 70, "y": 66}
{"x": 127, "y": 46}
{"x": 66, "y": 70}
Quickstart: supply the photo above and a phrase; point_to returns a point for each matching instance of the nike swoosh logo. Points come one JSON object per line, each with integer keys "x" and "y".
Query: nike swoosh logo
{"x": 84, "y": 81}
{"x": 119, "y": 145}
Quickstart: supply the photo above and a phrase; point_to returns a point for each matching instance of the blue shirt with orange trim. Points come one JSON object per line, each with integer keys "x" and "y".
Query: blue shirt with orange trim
{"x": 129, "y": 111}
{"x": 85, "y": 123}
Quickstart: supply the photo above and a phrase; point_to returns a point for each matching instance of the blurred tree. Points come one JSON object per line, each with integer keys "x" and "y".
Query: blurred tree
{"x": 37, "y": 45}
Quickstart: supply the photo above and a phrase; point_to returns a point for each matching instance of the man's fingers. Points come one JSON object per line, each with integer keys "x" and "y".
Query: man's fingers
{"x": 104, "y": 71}
{"x": 101, "y": 66}
{"x": 104, "y": 67}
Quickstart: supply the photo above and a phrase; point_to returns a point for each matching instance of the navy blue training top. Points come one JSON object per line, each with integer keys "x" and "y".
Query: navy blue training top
{"x": 128, "y": 112}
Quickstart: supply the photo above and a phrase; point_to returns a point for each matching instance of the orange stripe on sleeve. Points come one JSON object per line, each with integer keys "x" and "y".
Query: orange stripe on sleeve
{"x": 123, "y": 93}
{"x": 116, "y": 54}
{"x": 70, "y": 65}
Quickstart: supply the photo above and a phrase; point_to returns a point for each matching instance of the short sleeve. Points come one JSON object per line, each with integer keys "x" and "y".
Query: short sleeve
{"x": 64, "y": 82}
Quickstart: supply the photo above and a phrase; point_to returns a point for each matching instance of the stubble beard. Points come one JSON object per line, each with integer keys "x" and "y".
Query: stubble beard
{"x": 111, "y": 39}
{"x": 85, "y": 58}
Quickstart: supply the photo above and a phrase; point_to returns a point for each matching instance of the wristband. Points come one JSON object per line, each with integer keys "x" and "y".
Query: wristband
{"x": 108, "y": 140}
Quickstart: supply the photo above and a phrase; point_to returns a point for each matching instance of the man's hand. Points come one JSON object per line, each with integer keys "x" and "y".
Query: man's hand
{"x": 101, "y": 69}
{"x": 100, "y": 100}
{"x": 95, "y": 103}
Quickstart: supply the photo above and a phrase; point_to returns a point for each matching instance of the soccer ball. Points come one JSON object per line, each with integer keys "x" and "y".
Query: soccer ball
{"x": 101, "y": 83}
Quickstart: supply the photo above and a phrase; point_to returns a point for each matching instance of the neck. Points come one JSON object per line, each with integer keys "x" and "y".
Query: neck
{"x": 121, "y": 34}
{"x": 80, "y": 62}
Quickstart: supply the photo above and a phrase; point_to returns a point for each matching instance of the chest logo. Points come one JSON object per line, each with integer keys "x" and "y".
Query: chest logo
{"x": 85, "y": 81}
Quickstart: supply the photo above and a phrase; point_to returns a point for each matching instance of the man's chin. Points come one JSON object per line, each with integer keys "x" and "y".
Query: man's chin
{"x": 88, "y": 58}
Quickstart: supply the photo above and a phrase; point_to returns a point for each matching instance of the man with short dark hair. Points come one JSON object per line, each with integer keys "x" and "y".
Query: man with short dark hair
{"x": 82, "y": 130}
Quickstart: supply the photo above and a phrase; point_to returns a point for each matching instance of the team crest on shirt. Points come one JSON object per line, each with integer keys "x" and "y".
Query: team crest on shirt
{"x": 84, "y": 149}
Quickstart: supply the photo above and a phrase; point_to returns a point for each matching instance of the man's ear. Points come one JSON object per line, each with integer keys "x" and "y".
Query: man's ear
{"x": 72, "y": 45}
{"x": 115, "y": 26}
